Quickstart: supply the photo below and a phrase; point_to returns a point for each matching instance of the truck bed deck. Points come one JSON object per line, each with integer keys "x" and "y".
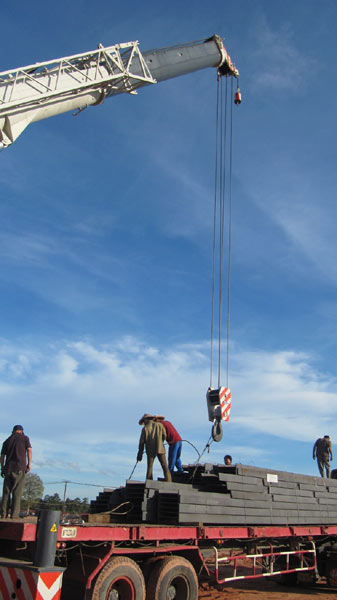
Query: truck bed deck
{"x": 25, "y": 530}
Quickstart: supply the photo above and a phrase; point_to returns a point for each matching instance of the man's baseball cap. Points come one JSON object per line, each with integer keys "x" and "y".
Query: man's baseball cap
{"x": 17, "y": 428}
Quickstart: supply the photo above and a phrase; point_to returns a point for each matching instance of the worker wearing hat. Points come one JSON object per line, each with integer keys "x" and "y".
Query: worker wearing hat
{"x": 174, "y": 443}
{"x": 15, "y": 459}
{"x": 152, "y": 438}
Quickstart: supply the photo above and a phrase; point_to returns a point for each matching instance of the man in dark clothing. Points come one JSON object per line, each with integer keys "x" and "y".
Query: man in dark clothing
{"x": 175, "y": 444}
{"x": 322, "y": 449}
{"x": 15, "y": 459}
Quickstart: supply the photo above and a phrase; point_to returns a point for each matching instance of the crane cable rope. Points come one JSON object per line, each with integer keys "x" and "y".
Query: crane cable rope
{"x": 220, "y": 187}
{"x": 220, "y": 182}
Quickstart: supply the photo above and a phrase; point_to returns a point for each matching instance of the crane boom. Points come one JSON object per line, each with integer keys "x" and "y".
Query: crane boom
{"x": 43, "y": 90}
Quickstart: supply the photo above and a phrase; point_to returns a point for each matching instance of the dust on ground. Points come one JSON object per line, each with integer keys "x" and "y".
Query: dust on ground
{"x": 266, "y": 589}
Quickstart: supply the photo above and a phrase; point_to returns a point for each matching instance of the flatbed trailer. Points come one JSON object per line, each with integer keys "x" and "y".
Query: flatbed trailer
{"x": 138, "y": 561}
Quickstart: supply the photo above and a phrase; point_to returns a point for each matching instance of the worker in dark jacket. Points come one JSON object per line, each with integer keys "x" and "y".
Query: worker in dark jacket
{"x": 15, "y": 459}
{"x": 152, "y": 439}
{"x": 323, "y": 451}
{"x": 175, "y": 444}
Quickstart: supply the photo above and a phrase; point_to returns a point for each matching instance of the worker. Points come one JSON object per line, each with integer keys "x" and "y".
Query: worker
{"x": 228, "y": 460}
{"x": 175, "y": 444}
{"x": 15, "y": 459}
{"x": 323, "y": 451}
{"x": 152, "y": 437}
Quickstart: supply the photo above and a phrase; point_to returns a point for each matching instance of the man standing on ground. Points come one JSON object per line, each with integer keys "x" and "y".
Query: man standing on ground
{"x": 152, "y": 438}
{"x": 16, "y": 458}
{"x": 322, "y": 449}
{"x": 175, "y": 444}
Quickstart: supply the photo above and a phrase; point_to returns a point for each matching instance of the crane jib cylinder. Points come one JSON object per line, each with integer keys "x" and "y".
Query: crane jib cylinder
{"x": 176, "y": 61}
{"x": 166, "y": 63}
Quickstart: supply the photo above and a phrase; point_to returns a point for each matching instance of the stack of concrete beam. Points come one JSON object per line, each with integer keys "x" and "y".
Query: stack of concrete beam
{"x": 106, "y": 499}
{"x": 236, "y": 495}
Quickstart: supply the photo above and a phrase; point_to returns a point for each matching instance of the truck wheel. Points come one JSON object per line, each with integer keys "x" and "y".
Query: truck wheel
{"x": 173, "y": 578}
{"x": 331, "y": 572}
{"x": 149, "y": 566}
{"x": 120, "y": 579}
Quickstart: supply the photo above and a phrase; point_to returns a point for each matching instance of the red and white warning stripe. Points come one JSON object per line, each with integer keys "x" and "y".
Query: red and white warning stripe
{"x": 26, "y": 584}
{"x": 225, "y": 403}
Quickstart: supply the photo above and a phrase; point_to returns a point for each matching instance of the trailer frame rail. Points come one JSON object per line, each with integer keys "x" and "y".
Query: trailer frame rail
{"x": 265, "y": 561}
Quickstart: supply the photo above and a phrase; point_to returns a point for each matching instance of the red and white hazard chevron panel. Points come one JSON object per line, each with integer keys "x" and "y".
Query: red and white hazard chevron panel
{"x": 30, "y": 583}
{"x": 225, "y": 403}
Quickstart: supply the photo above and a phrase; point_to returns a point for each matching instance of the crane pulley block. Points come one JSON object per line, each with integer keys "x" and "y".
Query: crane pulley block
{"x": 219, "y": 403}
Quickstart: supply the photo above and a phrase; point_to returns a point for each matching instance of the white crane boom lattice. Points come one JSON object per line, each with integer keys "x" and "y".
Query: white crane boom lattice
{"x": 46, "y": 89}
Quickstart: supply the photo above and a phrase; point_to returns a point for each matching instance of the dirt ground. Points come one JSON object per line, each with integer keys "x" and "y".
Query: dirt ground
{"x": 266, "y": 589}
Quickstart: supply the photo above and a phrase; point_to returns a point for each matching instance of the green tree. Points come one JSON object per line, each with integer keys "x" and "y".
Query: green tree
{"x": 53, "y": 502}
{"x": 77, "y": 506}
{"x": 33, "y": 490}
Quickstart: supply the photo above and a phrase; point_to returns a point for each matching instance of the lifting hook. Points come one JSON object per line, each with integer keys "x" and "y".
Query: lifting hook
{"x": 217, "y": 430}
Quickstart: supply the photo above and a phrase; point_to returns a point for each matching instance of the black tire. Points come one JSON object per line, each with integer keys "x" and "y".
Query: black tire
{"x": 331, "y": 572}
{"x": 149, "y": 565}
{"x": 173, "y": 578}
{"x": 120, "y": 579}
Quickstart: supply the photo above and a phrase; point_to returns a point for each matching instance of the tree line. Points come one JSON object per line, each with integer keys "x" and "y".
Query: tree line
{"x": 33, "y": 499}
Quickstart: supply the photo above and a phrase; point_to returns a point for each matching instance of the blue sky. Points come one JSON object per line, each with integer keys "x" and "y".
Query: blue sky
{"x": 106, "y": 243}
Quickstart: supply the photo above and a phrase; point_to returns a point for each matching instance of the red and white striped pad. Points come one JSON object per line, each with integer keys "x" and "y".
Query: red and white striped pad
{"x": 27, "y": 584}
{"x": 225, "y": 403}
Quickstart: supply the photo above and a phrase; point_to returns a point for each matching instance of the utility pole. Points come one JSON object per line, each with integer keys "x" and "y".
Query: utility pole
{"x": 64, "y": 497}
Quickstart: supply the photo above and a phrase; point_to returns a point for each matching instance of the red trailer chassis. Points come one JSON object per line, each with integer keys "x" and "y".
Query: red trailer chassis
{"x": 130, "y": 562}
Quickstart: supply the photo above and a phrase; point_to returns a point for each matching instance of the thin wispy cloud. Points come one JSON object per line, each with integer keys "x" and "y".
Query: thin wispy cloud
{"x": 106, "y": 235}
{"x": 278, "y": 60}
{"x": 95, "y": 395}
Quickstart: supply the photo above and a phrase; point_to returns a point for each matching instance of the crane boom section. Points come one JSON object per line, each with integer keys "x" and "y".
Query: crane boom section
{"x": 43, "y": 90}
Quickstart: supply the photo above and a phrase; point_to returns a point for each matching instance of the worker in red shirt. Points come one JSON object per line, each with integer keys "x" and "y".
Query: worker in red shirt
{"x": 174, "y": 442}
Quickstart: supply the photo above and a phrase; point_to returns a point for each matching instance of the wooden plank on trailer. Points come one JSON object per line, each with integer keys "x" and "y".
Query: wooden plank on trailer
{"x": 208, "y": 519}
{"x": 168, "y": 486}
{"x": 300, "y": 513}
{"x": 282, "y": 475}
{"x": 293, "y": 497}
{"x": 290, "y": 492}
{"x": 332, "y": 488}
{"x": 213, "y": 500}
{"x": 240, "y": 478}
{"x": 326, "y": 494}
{"x": 249, "y": 495}
{"x": 233, "y": 485}
{"x": 202, "y": 519}
{"x": 308, "y": 505}
{"x": 292, "y": 485}
{"x": 316, "y": 487}
{"x": 221, "y": 511}
{"x": 327, "y": 500}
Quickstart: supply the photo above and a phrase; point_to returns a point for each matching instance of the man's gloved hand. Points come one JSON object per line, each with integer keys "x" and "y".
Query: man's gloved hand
{"x": 2, "y": 473}
{"x": 139, "y": 457}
